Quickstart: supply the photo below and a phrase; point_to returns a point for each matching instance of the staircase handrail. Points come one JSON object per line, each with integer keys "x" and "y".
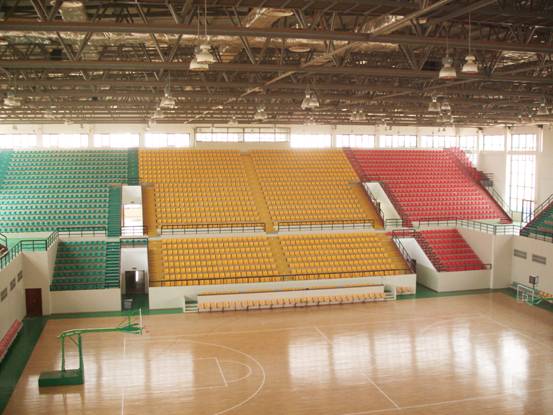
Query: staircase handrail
{"x": 396, "y": 237}
{"x": 541, "y": 207}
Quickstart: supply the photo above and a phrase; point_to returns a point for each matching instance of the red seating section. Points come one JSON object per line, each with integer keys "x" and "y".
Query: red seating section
{"x": 8, "y": 339}
{"x": 426, "y": 184}
{"x": 448, "y": 251}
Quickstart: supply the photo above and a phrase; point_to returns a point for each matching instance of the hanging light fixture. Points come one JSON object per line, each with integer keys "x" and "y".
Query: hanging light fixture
{"x": 260, "y": 114}
{"x": 310, "y": 101}
{"x": 542, "y": 109}
{"x": 434, "y": 106}
{"x": 11, "y": 100}
{"x": 470, "y": 67}
{"x": 233, "y": 121}
{"x": 447, "y": 72}
{"x": 168, "y": 101}
{"x": 445, "y": 106}
{"x": 357, "y": 116}
{"x": 202, "y": 53}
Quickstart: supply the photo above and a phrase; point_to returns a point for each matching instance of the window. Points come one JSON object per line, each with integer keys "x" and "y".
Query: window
{"x": 539, "y": 259}
{"x": 438, "y": 141}
{"x": 524, "y": 142}
{"x": 266, "y": 135}
{"x": 240, "y": 134}
{"x": 521, "y": 174}
{"x": 220, "y": 135}
{"x": 116, "y": 140}
{"x": 158, "y": 140}
{"x": 398, "y": 141}
{"x": 494, "y": 142}
{"x": 65, "y": 140}
{"x": 3, "y": 294}
{"x": 355, "y": 140}
{"x": 473, "y": 157}
{"x": 12, "y": 284}
{"x": 19, "y": 275}
{"x": 17, "y": 140}
{"x": 468, "y": 142}
{"x": 519, "y": 254}
{"x": 310, "y": 140}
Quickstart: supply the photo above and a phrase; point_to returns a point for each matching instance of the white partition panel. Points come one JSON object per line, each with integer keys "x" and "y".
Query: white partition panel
{"x": 84, "y": 301}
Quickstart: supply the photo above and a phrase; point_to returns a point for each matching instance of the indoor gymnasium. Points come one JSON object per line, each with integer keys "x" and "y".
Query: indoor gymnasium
{"x": 276, "y": 207}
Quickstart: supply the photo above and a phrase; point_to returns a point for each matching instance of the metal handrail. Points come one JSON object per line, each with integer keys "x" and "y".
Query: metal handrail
{"x": 290, "y": 277}
{"x": 183, "y": 228}
{"x": 82, "y": 230}
{"x": 396, "y": 238}
{"x": 326, "y": 224}
{"x": 541, "y": 207}
{"x": 27, "y": 245}
{"x": 135, "y": 230}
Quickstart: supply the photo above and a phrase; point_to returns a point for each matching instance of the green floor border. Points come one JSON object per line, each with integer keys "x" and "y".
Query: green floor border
{"x": 15, "y": 361}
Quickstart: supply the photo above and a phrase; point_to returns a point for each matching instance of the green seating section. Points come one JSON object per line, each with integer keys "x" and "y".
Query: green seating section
{"x": 5, "y": 157}
{"x": 542, "y": 224}
{"x": 114, "y": 211}
{"x": 86, "y": 265}
{"x": 132, "y": 163}
{"x": 113, "y": 264}
{"x": 44, "y": 190}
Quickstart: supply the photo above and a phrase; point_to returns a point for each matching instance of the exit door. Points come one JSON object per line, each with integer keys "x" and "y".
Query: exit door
{"x": 33, "y": 300}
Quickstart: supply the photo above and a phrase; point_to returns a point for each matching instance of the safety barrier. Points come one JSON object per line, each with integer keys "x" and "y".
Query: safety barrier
{"x": 229, "y": 227}
{"x": 320, "y": 225}
{"x": 284, "y": 278}
{"x": 33, "y": 245}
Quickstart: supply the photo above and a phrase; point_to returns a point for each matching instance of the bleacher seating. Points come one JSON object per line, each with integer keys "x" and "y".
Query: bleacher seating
{"x": 343, "y": 253}
{"x": 202, "y": 261}
{"x": 82, "y": 265}
{"x": 308, "y": 185}
{"x": 9, "y": 338}
{"x": 44, "y": 190}
{"x": 198, "y": 186}
{"x": 305, "y": 301}
{"x": 542, "y": 224}
{"x": 427, "y": 184}
{"x": 448, "y": 250}
{"x": 229, "y": 260}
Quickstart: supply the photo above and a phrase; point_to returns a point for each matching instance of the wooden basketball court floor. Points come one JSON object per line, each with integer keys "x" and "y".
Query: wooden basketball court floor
{"x": 474, "y": 354}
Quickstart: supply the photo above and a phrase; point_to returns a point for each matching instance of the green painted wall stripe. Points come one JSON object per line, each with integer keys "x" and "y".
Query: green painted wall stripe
{"x": 15, "y": 361}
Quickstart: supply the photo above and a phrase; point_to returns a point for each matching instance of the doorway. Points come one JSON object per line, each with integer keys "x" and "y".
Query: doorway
{"x": 33, "y": 301}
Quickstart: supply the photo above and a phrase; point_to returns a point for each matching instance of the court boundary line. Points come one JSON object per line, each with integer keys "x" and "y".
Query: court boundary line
{"x": 372, "y": 382}
{"x": 426, "y": 405}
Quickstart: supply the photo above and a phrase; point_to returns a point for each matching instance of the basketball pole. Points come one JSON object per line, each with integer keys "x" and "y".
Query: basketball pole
{"x": 76, "y": 376}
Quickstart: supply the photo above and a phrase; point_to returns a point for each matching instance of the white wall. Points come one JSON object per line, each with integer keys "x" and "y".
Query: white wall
{"x": 38, "y": 269}
{"x": 453, "y": 281}
{"x": 172, "y": 297}
{"x": 522, "y": 268}
{"x": 82, "y": 301}
{"x": 380, "y": 195}
{"x": 544, "y": 176}
{"x": 134, "y": 258}
{"x": 13, "y": 307}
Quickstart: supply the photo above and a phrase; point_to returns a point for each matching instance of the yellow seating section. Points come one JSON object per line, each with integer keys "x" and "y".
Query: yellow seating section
{"x": 198, "y": 186}
{"x": 222, "y": 259}
{"x": 229, "y": 260}
{"x": 307, "y": 185}
{"x": 342, "y": 253}
{"x": 290, "y": 302}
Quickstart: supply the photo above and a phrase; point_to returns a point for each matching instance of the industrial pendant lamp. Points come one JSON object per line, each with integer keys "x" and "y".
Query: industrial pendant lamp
{"x": 470, "y": 67}
{"x": 448, "y": 72}
{"x": 202, "y": 53}
{"x": 434, "y": 106}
